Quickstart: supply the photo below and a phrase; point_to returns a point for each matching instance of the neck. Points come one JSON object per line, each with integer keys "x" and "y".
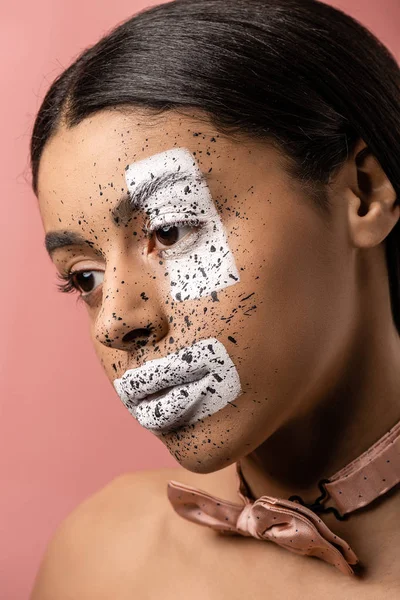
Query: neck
{"x": 355, "y": 413}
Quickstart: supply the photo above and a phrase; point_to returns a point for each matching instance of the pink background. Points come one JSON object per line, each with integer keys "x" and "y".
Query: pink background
{"x": 63, "y": 431}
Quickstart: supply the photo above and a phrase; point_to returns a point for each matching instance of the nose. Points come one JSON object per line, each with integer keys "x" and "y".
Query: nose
{"x": 132, "y": 313}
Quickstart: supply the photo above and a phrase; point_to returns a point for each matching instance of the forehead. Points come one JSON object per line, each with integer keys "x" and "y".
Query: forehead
{"x": 83, "y": 169}
{"x": 98, "y": 150}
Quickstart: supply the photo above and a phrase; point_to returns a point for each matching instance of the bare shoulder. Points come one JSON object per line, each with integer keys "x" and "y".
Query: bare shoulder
{"x": 125, "y": 542}
{"x": 102, "y": 546}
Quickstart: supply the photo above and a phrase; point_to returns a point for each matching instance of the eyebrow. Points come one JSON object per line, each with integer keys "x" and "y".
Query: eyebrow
{"x": 126, "y": 206}
{"x": 132, "y": 201}
{"x": 58, "y": 239}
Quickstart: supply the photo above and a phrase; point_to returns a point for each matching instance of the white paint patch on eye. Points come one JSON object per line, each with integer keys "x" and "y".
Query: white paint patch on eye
{"x": 202, "y": 263}
{"x": 180, "y": 388}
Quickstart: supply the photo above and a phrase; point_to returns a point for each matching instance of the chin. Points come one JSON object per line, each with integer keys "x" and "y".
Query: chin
{"x": 194, "y": 452}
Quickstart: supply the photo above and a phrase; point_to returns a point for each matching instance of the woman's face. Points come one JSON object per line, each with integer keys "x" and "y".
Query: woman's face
{"x": 216, "y": 292}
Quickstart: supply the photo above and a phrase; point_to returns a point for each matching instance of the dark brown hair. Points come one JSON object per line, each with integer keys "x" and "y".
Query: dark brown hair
{"x": 299, "y": 73}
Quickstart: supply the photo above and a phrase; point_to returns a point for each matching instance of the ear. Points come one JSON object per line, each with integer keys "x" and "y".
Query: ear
{"x": 372, "y": 212}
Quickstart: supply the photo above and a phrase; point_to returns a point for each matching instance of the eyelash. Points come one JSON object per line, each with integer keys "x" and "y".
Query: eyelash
{"x": 67, "y": 285}
{"x": 160, "y": 222}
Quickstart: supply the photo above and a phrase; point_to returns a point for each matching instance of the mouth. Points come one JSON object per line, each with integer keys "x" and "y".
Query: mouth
{"x": 158, "y": 394}
{"x": 156, "y": 378}
{"x": 164, "y": 391}
{"x": 180, "y": 388}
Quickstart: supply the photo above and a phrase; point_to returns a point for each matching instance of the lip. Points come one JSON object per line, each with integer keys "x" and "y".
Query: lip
{"x": 157, "y": 395}
{"x": 155, "y": 376}
{"x": 185, "y": 399}
{"x": 180, "y": 388}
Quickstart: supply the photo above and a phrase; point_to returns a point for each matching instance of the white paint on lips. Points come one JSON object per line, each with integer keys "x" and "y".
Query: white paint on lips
{"x": 203, "y": 379}
{"x": 203, "y": 263}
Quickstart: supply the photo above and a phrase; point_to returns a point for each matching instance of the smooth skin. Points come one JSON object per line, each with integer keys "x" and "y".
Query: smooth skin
{"x": 316, "y": 349}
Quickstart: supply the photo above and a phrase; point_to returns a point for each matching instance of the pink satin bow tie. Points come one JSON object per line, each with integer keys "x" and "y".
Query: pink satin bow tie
{"x": 290, "y": 524}
{"x": 286, "y": 523}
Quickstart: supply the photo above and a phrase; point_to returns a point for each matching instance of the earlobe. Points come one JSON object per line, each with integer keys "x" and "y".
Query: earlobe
{"x": 371, "y": 227}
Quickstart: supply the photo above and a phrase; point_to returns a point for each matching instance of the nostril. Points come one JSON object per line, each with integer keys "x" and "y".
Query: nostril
{"x": 135, "y": 334}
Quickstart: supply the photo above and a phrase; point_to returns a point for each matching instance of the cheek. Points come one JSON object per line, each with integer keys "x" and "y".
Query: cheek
{"x": 208, "y": 268}
{"x": 289, "y": 337}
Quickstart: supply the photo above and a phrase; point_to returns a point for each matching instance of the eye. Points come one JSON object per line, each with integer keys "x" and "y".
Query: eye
{"x": 168, "y": 235}
{"x": 83, "y": 282}
{"x": 86, "y": 281}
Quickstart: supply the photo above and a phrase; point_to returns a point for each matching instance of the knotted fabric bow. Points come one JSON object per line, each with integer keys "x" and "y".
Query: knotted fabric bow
{"x": 291, "y": 524}
{"x": 287, "y": 523}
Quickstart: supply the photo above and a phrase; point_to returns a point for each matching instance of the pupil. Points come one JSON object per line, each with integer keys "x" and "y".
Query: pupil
{"x": 167, "y": 235}
{"x": 84, "y": 281}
